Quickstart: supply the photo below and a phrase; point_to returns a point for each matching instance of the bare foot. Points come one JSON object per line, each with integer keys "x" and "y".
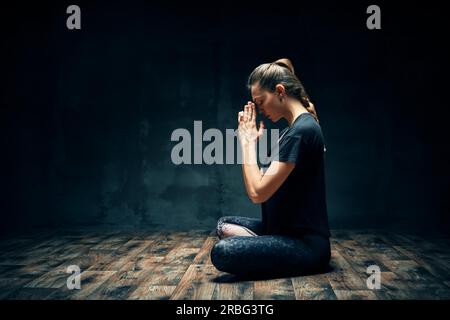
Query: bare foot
{"x": 232, "y": 230}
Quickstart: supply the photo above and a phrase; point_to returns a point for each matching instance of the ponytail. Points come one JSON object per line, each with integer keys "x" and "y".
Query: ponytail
{"x": 304, "y": 98}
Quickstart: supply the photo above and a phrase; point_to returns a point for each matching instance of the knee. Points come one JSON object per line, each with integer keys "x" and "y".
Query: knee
{"x": 226, "y": 258}
{"x": 218, "y": 255}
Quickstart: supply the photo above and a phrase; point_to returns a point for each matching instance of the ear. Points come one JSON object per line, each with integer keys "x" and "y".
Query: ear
{"x": 279, "y": 89}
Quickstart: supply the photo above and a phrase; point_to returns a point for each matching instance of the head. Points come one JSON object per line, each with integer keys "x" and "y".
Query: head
{"x": 273, "y": 84}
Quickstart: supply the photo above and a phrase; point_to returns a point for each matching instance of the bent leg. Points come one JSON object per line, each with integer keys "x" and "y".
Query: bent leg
{"x": 270, "y": 255}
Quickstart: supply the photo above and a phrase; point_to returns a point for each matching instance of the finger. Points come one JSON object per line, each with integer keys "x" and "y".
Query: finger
{"x": 261, "y": 128}
{"x": 249, "y": 112}
{"x": 252, "y": 113}
{"x": 246, "y": 112}
{"x": 240, "y": 116}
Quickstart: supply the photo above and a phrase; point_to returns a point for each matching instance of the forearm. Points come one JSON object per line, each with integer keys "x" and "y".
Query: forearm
{"x": 250, "y": 169}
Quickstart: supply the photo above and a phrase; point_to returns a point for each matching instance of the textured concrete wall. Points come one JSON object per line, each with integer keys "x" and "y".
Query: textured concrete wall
{"x": 88, "y": 115}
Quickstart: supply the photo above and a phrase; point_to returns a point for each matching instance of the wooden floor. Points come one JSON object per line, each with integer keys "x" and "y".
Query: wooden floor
{"x": 177, "y": 265}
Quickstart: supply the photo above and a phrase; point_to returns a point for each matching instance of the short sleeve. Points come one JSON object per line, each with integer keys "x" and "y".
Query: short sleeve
{"x": 291, "y": 149}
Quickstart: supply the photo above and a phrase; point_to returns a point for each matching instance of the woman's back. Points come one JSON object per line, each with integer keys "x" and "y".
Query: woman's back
{"x": 299, "y": 205}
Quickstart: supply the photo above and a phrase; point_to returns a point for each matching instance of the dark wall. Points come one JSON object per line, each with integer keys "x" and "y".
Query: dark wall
{"x": 87, "y": 115}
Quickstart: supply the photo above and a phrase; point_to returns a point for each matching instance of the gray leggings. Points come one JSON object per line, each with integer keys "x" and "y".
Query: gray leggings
{"x": 269, "y": 255}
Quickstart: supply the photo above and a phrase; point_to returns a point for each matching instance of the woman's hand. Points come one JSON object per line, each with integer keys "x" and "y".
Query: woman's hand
{"x": 248, "y": 133}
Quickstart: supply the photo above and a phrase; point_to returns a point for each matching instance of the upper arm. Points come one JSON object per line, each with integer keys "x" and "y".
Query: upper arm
{"x": 274, "y": 177}
{"x": 292, "y": 152}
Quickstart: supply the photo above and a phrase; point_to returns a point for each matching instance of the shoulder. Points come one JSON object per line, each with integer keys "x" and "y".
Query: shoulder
{"x": 305, "y": 126}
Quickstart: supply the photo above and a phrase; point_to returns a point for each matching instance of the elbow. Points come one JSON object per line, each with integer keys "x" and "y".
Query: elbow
{"x": 257, "y": 198}
{"x": 258, "y": 195}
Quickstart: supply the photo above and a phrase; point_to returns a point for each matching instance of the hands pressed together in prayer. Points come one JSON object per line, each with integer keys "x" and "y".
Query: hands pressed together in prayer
{"x": 247, "y": 130}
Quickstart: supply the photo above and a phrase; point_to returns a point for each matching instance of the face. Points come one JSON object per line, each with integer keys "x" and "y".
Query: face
{"x": 267, "y": 103}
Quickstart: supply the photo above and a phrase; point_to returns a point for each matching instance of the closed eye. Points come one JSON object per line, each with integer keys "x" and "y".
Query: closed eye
{"x": 261, "y": 104}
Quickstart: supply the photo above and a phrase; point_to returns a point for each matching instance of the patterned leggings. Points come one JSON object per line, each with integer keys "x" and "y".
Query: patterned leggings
{"x": 268, "y": 255}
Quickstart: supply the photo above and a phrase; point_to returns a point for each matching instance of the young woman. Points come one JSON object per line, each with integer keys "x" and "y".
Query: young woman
{"x": 292, "y": 238}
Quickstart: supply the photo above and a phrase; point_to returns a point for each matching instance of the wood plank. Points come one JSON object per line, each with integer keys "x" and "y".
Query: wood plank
{"x": 162, "y": 244}
{"x": 104, "y": 262}
{"x": 369, "y": 240}
{"x": 152, "y": 292}
{"x": 411, "y": 270}
{"x": 110, "y": 244}
{"x": 355, "y": 295}
{"x": 234, "y": 291}
{"x": 52, "y": 279}
{"x": 392, "y": 287}
{"x": 30, "y": 294}
{"x": 204, "y": 255}
{"x": 181, "y": 255}
{"x": 192, "y": 242}
{"x": 196, "y": 283}
{"x": 434, "y": 266}
{"x": 69, "y": 251}
{"x": 387, "y": 253}
{"x": 428, "y": 291}
{"x": 90, "y": 281}
{"x": 140, "y": 263}
{"x": 86, "y": 261}
{"x": 344, "y": 277}
{"x": 360, "y": 259}
{"x": 129, "y": 252}
{"x": 275, "y": 289}
{"x": 33, "y": 270}
{"x": 165, "y": 275}
{"x": 315, "y": 287}
{"x": 10, "y": 285}
{"x": 119, "y": 286}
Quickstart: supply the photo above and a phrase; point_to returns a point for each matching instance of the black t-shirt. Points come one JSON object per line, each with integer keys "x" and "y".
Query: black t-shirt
{"x": 299, "y": 205}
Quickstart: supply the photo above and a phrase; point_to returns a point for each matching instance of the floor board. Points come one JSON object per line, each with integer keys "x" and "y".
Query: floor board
{"x": 177, "y": 265}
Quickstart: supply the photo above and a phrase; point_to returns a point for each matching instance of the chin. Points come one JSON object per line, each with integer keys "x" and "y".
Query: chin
{"x": 275, "y": 120}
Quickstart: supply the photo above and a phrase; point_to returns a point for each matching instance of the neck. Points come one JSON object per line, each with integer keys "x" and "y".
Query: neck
{"x": 293, "y": 110}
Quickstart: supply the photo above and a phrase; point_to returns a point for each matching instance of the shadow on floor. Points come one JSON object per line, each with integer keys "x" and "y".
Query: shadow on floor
{"x": 231, "y": 278}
